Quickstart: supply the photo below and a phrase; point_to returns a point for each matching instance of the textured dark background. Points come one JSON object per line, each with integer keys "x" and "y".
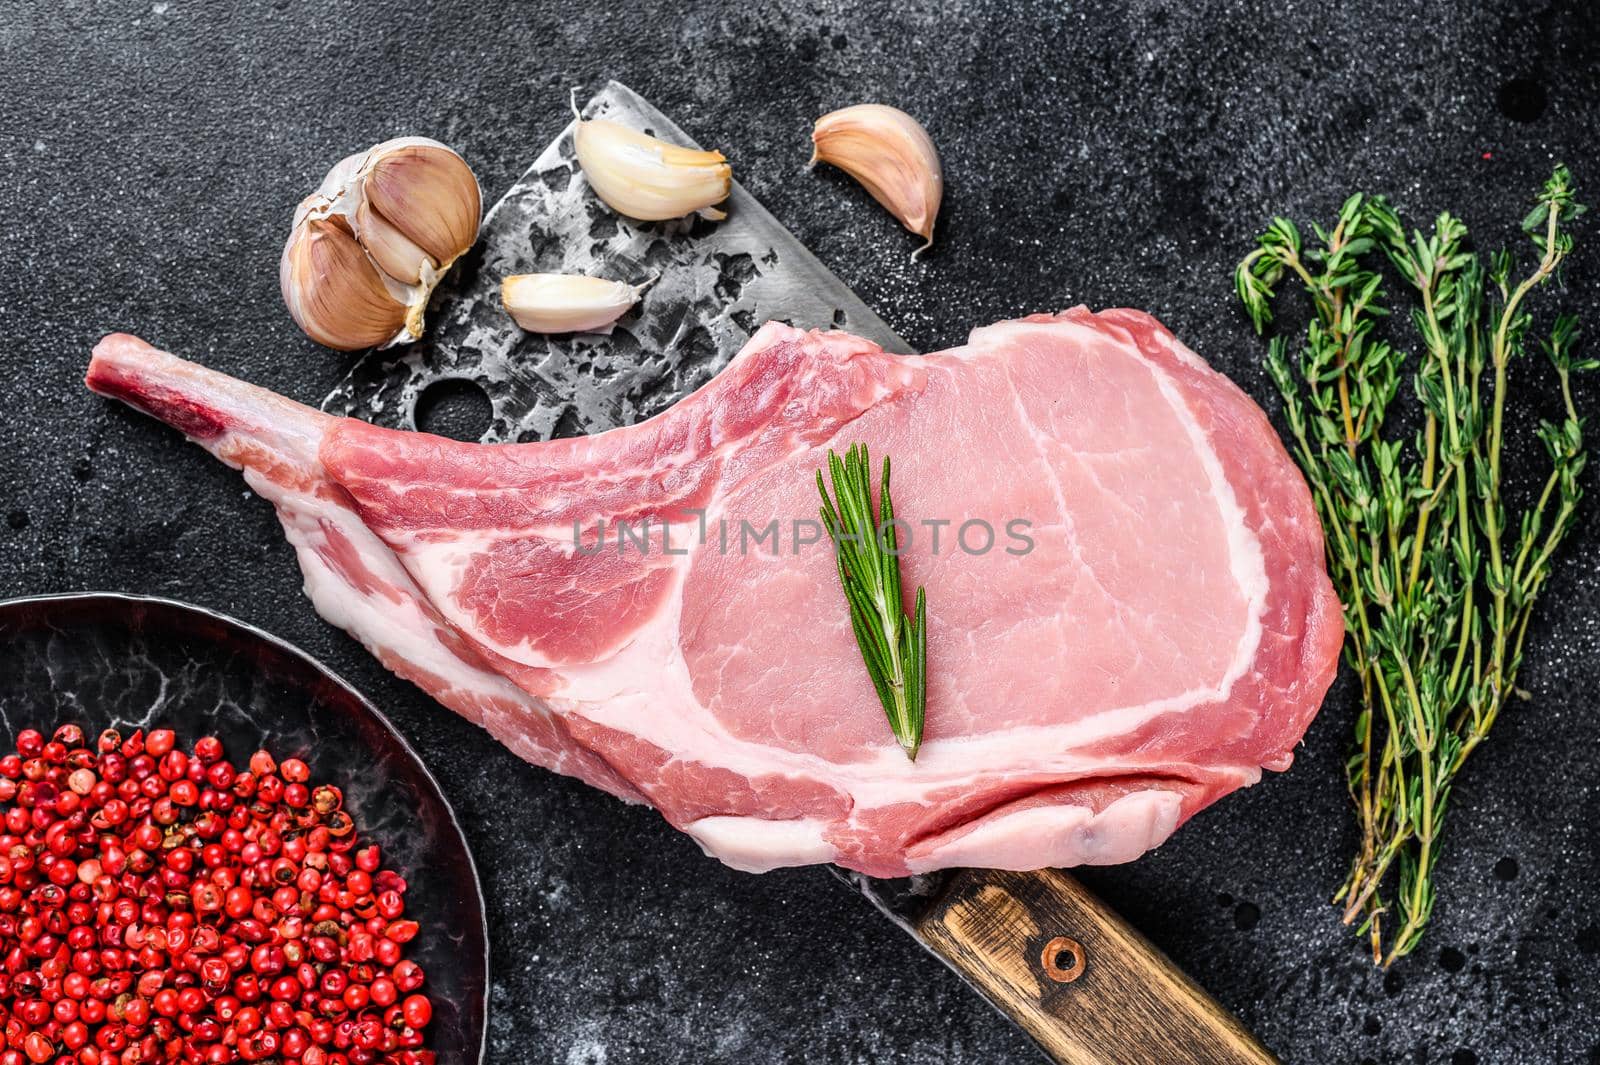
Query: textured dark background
{"x": 1111, "y": 154}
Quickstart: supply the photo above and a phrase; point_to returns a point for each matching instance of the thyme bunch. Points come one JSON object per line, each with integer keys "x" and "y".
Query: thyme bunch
{"x": 1437, "y": 578}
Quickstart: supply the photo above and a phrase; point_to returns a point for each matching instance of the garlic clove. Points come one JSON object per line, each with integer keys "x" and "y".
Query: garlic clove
{"x": 567, "y": 303}
{"x": 429, "y": 193}
{"x": 891, "y": 155}
{"x": 391, "y": 249}
{"x": 333, "y": 291}
{"x": 647, "y": 178}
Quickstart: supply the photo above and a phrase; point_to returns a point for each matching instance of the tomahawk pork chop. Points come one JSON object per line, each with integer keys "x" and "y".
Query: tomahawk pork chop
{"x": 1127, "y": 607}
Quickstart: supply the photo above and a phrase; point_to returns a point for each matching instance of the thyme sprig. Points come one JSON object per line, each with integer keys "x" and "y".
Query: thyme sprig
{"x": 1437, "y": 579}
{"x": 867, "y": 549}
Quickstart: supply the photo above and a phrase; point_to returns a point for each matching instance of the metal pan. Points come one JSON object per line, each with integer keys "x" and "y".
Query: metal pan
{"x": 110, "y": 660}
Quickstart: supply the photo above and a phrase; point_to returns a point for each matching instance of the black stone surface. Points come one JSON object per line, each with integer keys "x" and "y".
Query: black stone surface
{"x": 150, "y": 154}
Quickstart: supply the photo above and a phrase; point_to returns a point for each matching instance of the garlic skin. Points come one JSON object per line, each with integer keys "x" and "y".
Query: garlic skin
{"x": 332, "y": 289}
{"x": 650, "y": 179}
{"x": 567, "y": 303}
{"x": 368, "y": 247}
{"x": 891, "y": 155}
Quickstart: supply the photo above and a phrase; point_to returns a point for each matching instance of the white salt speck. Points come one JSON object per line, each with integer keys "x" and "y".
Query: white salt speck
{"x": 160, "y": 9}
{"x": 38, "y": 146}
{"x": 587, "y": 1052}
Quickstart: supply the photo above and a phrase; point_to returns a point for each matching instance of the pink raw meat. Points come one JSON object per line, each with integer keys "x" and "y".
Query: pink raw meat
{"x": 1149, "y": 627}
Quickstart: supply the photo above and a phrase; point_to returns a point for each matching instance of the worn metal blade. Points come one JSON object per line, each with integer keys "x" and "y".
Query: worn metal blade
{"x": 904, "y": 900}
{"x": 717, "y": 283}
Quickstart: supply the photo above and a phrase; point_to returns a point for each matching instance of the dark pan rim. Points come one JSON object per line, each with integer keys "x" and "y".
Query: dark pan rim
{"x": 280, "y": 644}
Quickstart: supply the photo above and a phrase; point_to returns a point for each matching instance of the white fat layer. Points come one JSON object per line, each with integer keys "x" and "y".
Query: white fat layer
{"x": 1053, "y": 836}
{"x": 627, "y": 690}
{"x": 397, "y": 630}
{"x": 757, "y": 845}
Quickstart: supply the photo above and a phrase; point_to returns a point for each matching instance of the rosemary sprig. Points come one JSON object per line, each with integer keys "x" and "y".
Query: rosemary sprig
{"x": 1438, "y": 583}
{"x": 894, "y": 646}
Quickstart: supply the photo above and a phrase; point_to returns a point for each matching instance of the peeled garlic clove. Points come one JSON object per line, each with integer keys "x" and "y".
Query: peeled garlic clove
{"x": 333, "y": 290}
{"x": 403, "y": 211}
{"x": 890, "y": 153}
{"x": 650, "y": 179}
{"x": 567, "y": 303}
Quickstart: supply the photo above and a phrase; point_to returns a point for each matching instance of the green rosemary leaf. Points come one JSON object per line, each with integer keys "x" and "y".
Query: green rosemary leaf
{"x": 894, "y": 647}
{"x": 1438, "y": 579}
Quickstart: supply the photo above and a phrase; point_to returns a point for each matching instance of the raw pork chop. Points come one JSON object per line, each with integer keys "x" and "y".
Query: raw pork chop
{"x": 1149, "y": 626}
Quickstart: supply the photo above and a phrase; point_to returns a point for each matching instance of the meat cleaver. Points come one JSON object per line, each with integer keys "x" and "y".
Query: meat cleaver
{"x": 1084, "y": 984}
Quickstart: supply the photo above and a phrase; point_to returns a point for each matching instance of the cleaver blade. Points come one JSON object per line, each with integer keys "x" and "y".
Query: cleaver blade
{"x": 716, "y": 284}
{"x": 1083, "y": 984}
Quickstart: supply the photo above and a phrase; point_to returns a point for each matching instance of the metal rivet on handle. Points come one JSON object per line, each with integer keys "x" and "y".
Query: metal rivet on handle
{"x": 1050, "y": 959}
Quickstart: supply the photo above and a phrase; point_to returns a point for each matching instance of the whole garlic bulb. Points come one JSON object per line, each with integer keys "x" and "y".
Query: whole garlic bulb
{"x": 368, "y": 247}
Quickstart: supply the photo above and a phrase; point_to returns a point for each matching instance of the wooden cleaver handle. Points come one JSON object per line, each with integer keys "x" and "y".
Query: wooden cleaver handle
{"x": 1076, "y": 977}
